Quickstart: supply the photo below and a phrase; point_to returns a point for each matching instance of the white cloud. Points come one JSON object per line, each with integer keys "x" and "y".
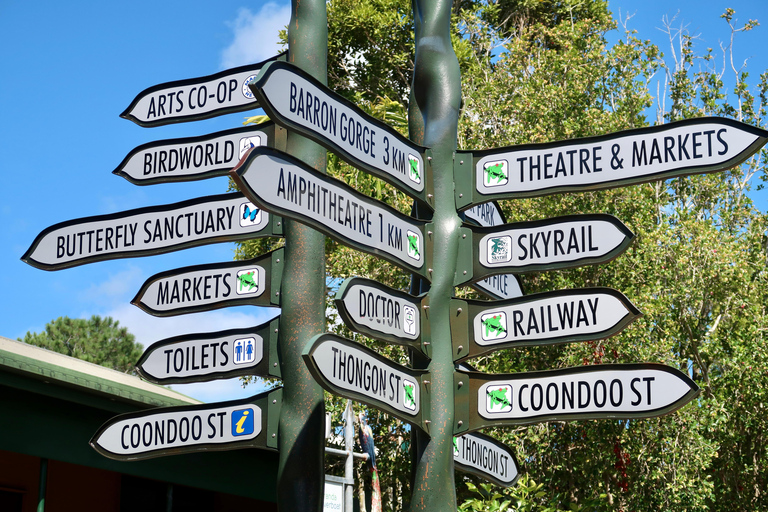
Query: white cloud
{"x": 117, "y": 287}
{"x": 255, "y": 35}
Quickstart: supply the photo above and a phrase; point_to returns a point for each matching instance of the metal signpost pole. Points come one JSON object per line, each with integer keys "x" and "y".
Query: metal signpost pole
{"x": 301, "y": 475}
{"x": 433, "y": 117}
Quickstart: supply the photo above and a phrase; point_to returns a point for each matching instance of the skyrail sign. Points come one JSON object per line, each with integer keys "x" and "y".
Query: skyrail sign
{"x": 299, "y": 102}
{"x": 186, "y": 429}
{"x": 215, "y": 355}
{"x": 485, "y": 457}
{"x": 197, "y": 288}
{"x": 153, "y": 230}
{"x": 613, "y": 391}
{"x": 196, "y": 98}
{"x": 192, "y": 158}
{"x": 542, "y": 319}
{"x": 692, "y": 146}
{"x": 353, "y": 371}
{"x": 282, "y": 184}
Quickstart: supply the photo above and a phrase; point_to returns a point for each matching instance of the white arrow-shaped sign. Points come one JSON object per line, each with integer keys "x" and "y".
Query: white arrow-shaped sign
{"x": 486, "y": 457}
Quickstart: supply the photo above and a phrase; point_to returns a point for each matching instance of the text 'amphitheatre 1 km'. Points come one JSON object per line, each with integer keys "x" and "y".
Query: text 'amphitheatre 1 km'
{"x": 491, "y": 254}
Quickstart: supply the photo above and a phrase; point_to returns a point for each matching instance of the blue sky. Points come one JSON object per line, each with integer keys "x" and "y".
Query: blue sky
{"x": 70, "y": 68}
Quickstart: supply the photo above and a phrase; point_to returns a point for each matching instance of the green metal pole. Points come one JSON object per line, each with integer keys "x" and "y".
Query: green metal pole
{"x": 433, "y": 117}
{"x": 300, "y": 477}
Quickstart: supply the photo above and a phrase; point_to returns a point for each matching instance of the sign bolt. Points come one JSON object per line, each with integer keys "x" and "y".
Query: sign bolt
{"x": 425, "y": 306}
{"x": 461, "y": 195}
{"x": 461, "y": 383}
{"x": 274, "y": 401}
{"x": 278, "y": 260}
{"x": 429, "y": 233}
{"x": 464, "y": 235}
{"x": 274, "y": 365}
{"x": 460, "y": 347}
{"x": 465, "y": 272}
{"x": 278, "y": 223}
{"x": 429, "y": 270}
{"x": 426, "y": 382}
{"x": 461, "y": 162}
{"x": 273, "y": 435}
{"x": 429, "y": 158}
{"x": 461, "y": 423}
{"x": 458, "y": 310}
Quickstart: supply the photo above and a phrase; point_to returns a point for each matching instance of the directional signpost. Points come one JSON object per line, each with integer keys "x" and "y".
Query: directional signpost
{"x": 350, "y": 370}
{"x": 196, "y": 98}
{"x": 153, "y": 230}
{"x": 484, "y": 456}
{"x": 693, "y": 146}
{"x": 215, "y": 355}
{"x": 282, "y": 184}
{"x": 250, "y": 423}
{"x": 197, "y": 288}
{"x": 193, "y": 158}
{"x": 297, "y": 101}
{"x": 545, "y": 318}
{"x": 501, "y": 286}
{"x": 378, "y": 311}
{"x": 621, "y": 391}
{"x": 549, "y": 244}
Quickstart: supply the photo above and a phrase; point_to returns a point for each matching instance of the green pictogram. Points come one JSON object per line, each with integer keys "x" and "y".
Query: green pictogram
{"x": 455, "y": 446}
{"x": 498, "y": 246}
{"x": 409, "y": 399}
{"x": 413, "y": 244}
{"x": 493, "y": 326}
{"x": 495, "y": 172}
{"x": 498, "y": 397}
{"x": 246, "y": 282}
{"x": 415, "y": 169}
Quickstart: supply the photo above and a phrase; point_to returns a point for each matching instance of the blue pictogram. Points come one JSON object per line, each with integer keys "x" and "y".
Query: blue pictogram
{"x": 242, "y": 422}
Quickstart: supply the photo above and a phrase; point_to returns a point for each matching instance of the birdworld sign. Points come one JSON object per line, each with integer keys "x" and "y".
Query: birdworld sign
{"x": 541, "y": 319}
{"x": 549, "y": 244}
{"x": 497, "y": 286}
{"x": 198, "y": 288}
{"x": 197, "y": 98}
{"x": 301, "y": 103}
{"x": 485, "y": 457}
{"x": 282, "y": 184}
{"x": 250, "y": 423}
{"x": 215, "y": 355}
{"x": 353, "y": 371}
{"x": 612, "y": 391}
{"x": 192, "y": 158}
{"x": 378, "y": 311}
{"x": 152, "y": 230}
{"x": 692, "y": 146}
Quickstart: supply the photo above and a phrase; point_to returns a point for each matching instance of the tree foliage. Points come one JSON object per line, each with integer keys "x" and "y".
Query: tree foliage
{"x": 97, "y": 340}
{"x": 540, "y": 71}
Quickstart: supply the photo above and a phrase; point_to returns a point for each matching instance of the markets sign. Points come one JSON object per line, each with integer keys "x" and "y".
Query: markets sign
{"x": 611, "y": 391}
{"x": 282, "y": 184}
{"x": 250, "y": 423}
{"x": 562, "y": 242}
{"x": 198, "y": 288}
{"x": 299, "y": 102}
{"x": 192, "y": 158}
{"x": 692, "y": 146}
{"x": 215, "y": 355}
{"x": 378, "y": 311}
{"x": 196, "y": 98}
{"x": 541, "y": 319}
{"x": 350, "y": 370}
{"x": 152, "y": 230}
{"x": 486, "y": 457}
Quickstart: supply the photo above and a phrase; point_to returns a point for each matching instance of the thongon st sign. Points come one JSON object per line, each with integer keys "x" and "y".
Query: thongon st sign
{"x": 250, "y": 423}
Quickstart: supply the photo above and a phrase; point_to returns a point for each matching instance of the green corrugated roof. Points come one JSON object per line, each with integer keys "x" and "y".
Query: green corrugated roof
{"x": 53, "y": 367}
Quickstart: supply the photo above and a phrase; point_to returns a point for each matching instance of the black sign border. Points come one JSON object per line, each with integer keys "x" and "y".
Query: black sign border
{"x": 266, "y": 128}
{"x": 340, "y": 151}
{"x": 261, "y": 400}
{"x": 479, "y": 198}
{"x": 266, "y": 299}
{"x": 262, "y": 369}
{"x": 253, "y": 153}
{"x": 478, "y": 379}
{"x": 256, "y": 68}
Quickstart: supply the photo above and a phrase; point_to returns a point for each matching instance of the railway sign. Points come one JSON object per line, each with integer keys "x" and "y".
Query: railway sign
{"x": 562, "y": 316}
{"x": 501, "y": 286}
{"x": 562, "y": 242}
{"x": 214, "y": 355}
{"x": 197, "y": 98}
{"x": 378, "y": 311}
{"x": 485, "y": 457}
{"x": 197, "y": 288}
{"x": 282, "y": 184}
{"x": 250, "y": 423}
{"x": 192, "y": 158}
{"x": 353, "y": 371}
{"x": 152, "y": 230}
{"x": 299, "y": 102}
{"x": 692, "y": 146}
{"x": 610, "y": 391}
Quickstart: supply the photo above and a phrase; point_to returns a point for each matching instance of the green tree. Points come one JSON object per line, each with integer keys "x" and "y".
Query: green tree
{"x": 97, "y": 340}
